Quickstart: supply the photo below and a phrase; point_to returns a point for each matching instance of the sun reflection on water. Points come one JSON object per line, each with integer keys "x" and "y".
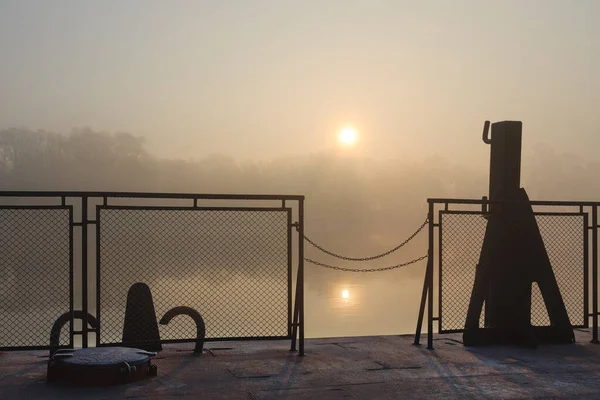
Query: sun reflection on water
{"x": 345, "y": 295}
{"x": 344, "y": 298}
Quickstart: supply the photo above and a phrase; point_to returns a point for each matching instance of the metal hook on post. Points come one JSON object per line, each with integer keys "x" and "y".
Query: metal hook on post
{"x": 486, "y": 133}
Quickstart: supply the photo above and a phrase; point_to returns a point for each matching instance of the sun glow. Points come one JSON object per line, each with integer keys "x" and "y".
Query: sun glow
{"x": 345, "y": 294}
{"x": 347, "y": 136}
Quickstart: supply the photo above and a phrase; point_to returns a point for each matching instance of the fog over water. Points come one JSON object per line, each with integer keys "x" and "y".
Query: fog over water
{"x": 355, "y": 206}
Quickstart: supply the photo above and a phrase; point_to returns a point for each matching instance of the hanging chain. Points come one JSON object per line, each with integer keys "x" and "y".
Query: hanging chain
{"x": 367, "y": 258}
{"x": 365, "y": 270}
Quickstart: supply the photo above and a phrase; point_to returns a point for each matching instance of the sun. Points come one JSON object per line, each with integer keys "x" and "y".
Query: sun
{"x": 347, "y": 136}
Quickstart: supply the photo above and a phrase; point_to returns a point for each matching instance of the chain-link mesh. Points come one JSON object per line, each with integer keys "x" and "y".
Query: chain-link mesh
{"x": 34, "y": 274}
{"x": 462, "y": 239}
{"x": 229, "y": 265}
{"x": 564, "y": 241}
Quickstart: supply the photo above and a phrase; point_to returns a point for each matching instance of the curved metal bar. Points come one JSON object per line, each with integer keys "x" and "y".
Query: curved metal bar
{"x": 61, "y": 321}
{"x": 195, "y": 315}
{"x": 486, "y": 131}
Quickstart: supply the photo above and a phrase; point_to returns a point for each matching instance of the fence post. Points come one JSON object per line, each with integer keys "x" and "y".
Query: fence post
{"x": 301, "y": 272}
{"x": 422, "y": 306}
{"x": 295, "y": 319}
{"x": 98, "y": 262}
{"x": 430, "y": 283}
{"x": 586, "y": 268}
{"x": 290, "y": 262}
{"x": 84, "y": 275}
{"x": 595, "y": 274}
{"x": 71, "y": 277}
{"x": 427, "y": 285}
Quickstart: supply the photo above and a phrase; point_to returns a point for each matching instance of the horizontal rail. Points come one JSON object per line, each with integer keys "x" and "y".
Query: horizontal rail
{"x": 27, "y": 348}
{"x": 545, "y": 213}
{"x": 532, "y": 202}
{"x": 174, "y": 208}
{"x": 214, "y": 339}
{"x": 34, "y": 207}
{"x": 142, "y": 195}
{"x": 445, "y": 331}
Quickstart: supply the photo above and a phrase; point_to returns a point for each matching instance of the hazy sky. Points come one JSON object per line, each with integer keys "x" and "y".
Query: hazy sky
{"x": 261, "y": 79}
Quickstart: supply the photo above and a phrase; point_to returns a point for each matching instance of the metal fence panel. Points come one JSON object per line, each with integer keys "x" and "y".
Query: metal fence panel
{"x": 230, "y": 264}
{"x": 461, "y": 236}
{"x": 564, "y": 239}
{"x": 35, "y": 274}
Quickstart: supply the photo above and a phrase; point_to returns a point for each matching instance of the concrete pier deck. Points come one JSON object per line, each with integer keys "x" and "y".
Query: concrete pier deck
{"x": 377, "y": 367}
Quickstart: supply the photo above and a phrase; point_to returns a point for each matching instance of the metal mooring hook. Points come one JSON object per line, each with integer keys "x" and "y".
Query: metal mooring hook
{"x": 486, "y": 132}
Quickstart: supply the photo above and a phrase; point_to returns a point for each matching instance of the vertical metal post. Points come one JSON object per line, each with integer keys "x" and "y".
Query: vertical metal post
{"x": 440, "y": 247}
{"x": 98, "y": 276}
{"x": 299, "y": 278}
{"x": 71, "y": 281}
{"x": 295, "y": 320}
{"x": 84, "y": 275}
{"x": 586, "y": 269}
{"x": 426, "y": 280}
{"x": 595, "y": 274}
{"x": 289, "y": 272}
{"x": 301, "y": 273}
{"x": 422, "y": 306}
{"x": 430, "y": 277}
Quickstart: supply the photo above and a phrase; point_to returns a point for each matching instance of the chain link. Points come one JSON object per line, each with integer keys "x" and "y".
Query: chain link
{"x": 365, "y": 270}
{"x": 367, "y": 258}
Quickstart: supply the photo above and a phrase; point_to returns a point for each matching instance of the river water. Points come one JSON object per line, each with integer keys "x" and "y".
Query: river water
{"x": 337, "y": 304}
{"x": 358, "y": 304}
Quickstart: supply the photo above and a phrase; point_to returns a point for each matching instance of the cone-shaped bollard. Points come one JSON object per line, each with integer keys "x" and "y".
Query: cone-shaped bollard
{"x": 141, "y": 328}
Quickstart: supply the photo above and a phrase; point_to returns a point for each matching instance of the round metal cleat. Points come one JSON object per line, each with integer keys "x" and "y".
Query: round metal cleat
{"x": 101, "y": 366}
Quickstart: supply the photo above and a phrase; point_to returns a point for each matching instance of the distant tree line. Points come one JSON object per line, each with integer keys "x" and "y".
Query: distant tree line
{"x": 83, "y": 159}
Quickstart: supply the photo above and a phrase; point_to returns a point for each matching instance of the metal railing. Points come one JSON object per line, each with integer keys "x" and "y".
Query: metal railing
{"x": 455, "y": 248}
{"x": 68, "y": 259}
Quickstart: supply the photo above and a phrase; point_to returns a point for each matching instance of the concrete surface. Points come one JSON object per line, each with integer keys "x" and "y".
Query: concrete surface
{"x": 379, "y": 367}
